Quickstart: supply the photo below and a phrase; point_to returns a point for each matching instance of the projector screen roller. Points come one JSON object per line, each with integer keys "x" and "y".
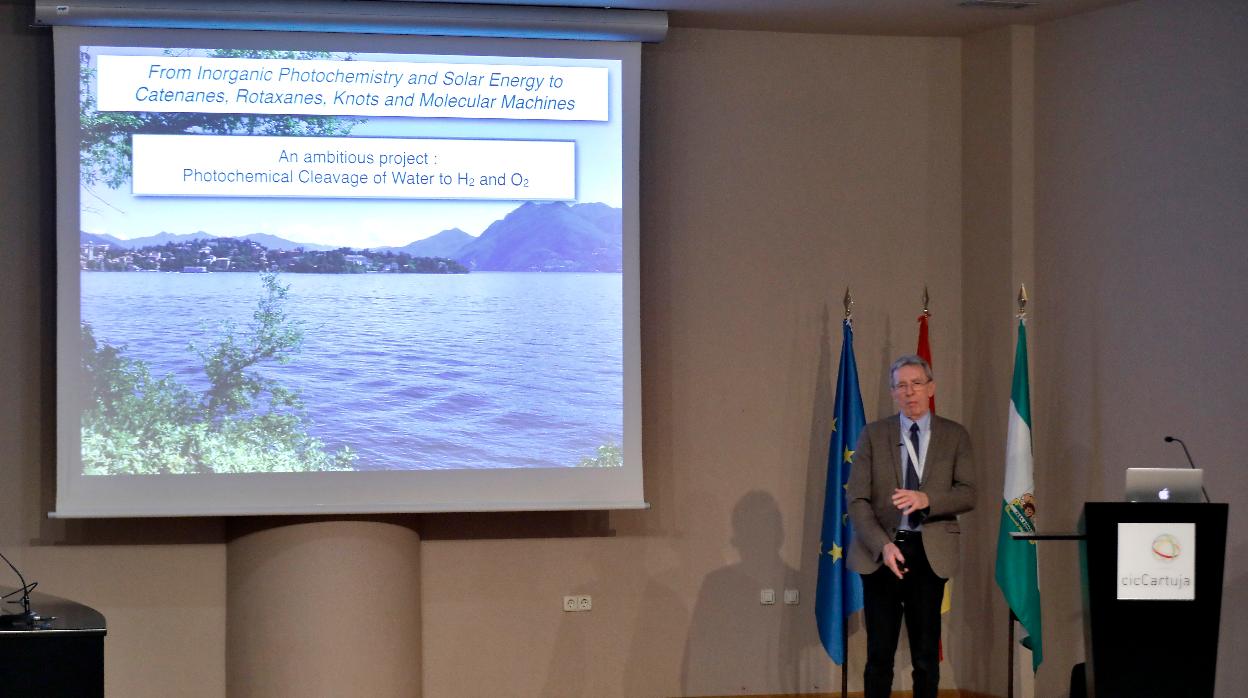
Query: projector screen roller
{"x": 305, "y": 273}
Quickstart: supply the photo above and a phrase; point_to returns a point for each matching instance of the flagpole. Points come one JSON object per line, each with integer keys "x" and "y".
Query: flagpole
{"x": 1022, "y": 317}
{"x": 924, "y": 350}
{"x": 1009, "y": 693}
{"x": 845, "y": 666}
{"x": 838, "y": 593}
{"x": 849, "y": 320}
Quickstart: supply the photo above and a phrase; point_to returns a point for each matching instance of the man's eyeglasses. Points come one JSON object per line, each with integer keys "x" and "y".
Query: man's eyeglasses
{"x": 911, "y": 385}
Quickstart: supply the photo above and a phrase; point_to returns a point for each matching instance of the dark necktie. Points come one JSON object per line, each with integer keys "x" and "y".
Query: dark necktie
{"x": 912, "y": 474}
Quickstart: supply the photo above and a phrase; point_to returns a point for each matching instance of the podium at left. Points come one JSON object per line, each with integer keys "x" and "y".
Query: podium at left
{"x": 60, "y": 656}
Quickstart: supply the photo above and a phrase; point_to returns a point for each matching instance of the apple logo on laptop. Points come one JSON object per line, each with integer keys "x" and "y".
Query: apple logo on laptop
{"x": 1163, "y": 494}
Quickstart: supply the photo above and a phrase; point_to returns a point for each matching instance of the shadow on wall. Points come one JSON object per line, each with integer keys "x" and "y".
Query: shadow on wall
{"x": 737, "y": 645}
{"x": 1069, "y": 437}
{"x": 625, "y": 647}
{"x": 978, "y": 609}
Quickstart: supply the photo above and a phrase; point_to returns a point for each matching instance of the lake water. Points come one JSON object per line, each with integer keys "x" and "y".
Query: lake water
{"x": 412, "y": 371}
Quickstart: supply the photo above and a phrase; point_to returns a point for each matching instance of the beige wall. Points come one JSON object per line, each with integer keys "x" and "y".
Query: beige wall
{"x": 776, "y": 170}
{"x": 1141, "y": 171}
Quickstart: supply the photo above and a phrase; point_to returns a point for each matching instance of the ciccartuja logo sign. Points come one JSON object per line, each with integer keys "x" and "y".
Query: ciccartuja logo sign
{"x": 1156, "y": 561}
{"x": 1166, "y": 548}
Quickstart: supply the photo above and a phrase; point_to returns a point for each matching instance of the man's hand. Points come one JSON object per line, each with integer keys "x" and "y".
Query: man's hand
{"x": 910, "y": 501}
{"x": 893, "y": 560}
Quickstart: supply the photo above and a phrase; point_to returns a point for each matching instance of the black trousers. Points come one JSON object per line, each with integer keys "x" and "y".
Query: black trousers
{"x": 888, "y": 600}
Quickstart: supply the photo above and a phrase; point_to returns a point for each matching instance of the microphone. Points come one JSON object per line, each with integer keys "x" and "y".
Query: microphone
{"x": 27, "y": 619}
{"x": 1172, "y": 439}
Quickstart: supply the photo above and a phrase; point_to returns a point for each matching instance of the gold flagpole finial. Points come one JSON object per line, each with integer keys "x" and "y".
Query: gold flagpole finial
{"x": 849, "y": 306}
{"x": 1022, "y": 301}
{"x": 926, "y": 301}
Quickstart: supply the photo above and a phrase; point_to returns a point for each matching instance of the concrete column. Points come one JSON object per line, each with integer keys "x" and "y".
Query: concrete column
{"x": 322, "y": 608}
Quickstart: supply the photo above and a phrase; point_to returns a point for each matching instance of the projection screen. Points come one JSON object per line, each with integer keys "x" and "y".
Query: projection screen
{"x": 333, "y": 273}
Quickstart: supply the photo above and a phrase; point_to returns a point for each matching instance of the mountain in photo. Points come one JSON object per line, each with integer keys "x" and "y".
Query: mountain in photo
{"x": 445, "y": 244}
{"x": 271, "y": 242}
{"x": 85, "y": 238}
{"x": 150, "y": 240}
{"x": 550, "y": 237}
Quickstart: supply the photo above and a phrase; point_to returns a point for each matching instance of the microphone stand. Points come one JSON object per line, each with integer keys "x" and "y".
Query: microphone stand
{"x": 27, "y": 619}
{"x": 1190, "y": 462}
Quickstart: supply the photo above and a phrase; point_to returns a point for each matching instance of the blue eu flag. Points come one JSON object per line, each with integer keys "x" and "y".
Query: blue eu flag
{"x": 839, "y": 591}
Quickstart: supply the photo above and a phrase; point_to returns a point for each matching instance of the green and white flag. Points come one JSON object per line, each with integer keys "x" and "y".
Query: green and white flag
{"x": 1016, "y": 559}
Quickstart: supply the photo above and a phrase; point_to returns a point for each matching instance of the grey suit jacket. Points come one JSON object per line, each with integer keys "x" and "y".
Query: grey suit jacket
{"x": 948, "y": 474}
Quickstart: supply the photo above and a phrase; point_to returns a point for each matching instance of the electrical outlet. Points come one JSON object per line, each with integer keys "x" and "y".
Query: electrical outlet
{"x": 581, "y": 602}
{"x": 790, "y": 597}
{"x": 767, "y": 597}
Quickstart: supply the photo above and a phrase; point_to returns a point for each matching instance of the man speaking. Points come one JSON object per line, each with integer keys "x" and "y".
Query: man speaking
{"x": 911, "y": 477}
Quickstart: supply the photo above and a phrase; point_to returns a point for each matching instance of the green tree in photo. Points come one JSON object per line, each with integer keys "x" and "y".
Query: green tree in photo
{"x": 243, "y": 421}
{"x": 273, "y": 337}
{"x": 132, "y": 414}
{"x": 608, "y": 456}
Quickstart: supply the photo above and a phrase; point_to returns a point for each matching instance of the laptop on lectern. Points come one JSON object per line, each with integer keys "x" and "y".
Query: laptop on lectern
{"x": 1164, "y": 484}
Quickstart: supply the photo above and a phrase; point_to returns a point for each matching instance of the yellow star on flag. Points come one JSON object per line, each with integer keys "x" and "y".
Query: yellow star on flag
{"x": 836, "y": 552}
{"x": 834, "y": 424}
{"x": 849, "y": 455}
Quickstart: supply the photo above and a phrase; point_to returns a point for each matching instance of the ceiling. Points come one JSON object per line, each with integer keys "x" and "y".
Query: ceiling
{"x": 902, "y": 17}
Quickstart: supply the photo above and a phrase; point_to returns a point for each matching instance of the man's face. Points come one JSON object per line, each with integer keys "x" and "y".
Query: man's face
{"x": 912, "y": 391}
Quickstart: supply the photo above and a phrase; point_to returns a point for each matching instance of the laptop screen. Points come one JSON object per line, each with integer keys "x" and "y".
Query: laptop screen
{"x": 1164, "y": 485}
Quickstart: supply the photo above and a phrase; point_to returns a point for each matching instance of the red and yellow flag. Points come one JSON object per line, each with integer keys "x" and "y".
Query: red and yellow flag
{"x": 925, "y": 352}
